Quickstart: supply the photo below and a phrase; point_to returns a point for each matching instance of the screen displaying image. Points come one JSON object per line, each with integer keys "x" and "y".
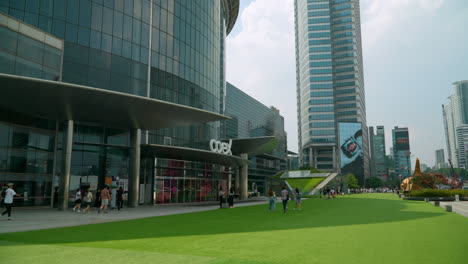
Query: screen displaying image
{"x": 351, "y": 153}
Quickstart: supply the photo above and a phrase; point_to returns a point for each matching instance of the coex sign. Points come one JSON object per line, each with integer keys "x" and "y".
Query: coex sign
{"x": 221, "y": 147}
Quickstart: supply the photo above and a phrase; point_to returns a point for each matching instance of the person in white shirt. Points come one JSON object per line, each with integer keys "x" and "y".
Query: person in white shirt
{"x": 9, "y": 194}
{"x": 77, "y": 201}
{"x": 285, "y": 198}
{"x": 87, "y": 201}
{"x": 221, "y": 197}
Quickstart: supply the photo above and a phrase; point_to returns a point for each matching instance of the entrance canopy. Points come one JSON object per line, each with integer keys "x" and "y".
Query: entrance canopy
{"x": 65, "y": 101}
{"x": 256, "y": 145}
{"x": 181, "y": 153}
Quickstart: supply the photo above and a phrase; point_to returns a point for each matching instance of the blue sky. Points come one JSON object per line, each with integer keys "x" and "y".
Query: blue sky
{"x": 413, "y": 51}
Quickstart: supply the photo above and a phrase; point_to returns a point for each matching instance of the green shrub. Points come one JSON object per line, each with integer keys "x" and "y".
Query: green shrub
{"x": 439, "y": 193}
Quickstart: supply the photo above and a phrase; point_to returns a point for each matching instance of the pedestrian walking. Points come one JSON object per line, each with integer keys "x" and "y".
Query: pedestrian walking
{"x": 221, "y": 197}
{"x": 105, "y": 198}
{"x": 97, "y": 201}
{"x": 285, "y": 198}
{"x": 272, "y": 198}
{"x": 8, "y": 199}
{"x": 55, "y": 203}
{"x": 298, "y": 200}
{"x": 77, "y": 201}
{"x": 119, "y": 197}
{"x": 88, "y": 199}
{"x": 328, "y": 193}
{"x": 231, "y": 197}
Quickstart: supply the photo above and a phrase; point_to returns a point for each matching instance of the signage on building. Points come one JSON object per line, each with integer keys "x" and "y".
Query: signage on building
{"x": 221, "y": 147}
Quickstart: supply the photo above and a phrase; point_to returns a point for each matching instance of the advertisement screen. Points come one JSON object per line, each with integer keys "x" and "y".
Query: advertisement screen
{"x": 351, "y": 153}
{"x": 402, "y": 140}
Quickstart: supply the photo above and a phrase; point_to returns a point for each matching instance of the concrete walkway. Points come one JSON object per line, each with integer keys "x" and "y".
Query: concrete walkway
{"x": 33, "y": 218}
{"x": 460, "y": 208}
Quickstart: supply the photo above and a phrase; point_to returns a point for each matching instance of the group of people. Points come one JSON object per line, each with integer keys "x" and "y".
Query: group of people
{"x": 329, "y": 193}
{"x": 101, "y": 201}
{"x": 285, "y": 198}
{"x": 229, "y": 197}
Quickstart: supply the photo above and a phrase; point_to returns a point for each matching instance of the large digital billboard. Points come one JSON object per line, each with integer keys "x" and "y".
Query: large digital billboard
{"x": 351, "y": 152}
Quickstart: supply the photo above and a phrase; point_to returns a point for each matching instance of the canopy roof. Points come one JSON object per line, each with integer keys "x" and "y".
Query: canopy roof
{"x": 256, "y": 145}
{"x": 182, "y": 153}
{"x": 64, "y": 101}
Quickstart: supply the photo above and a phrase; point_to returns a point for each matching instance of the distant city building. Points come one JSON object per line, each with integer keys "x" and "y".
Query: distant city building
{"x": 424, "y": 167}
{"x": 377, "y": 148}
{"x": 401, "y": 152}
{"x": 440, "y": 159}
{"x": 293, "y": 161}
{"x": 462, "y": 145}
{"x": 455, "y": 114}
{"x": 330, "y": 80}
{"x": 249, "y": 119}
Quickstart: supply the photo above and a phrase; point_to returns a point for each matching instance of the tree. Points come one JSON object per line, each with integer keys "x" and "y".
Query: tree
{"x": 374, "y": 182}
{"x": 352, "y": 181}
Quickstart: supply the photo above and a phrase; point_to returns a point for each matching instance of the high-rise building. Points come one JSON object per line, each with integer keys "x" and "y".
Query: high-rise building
{"x": 377, "y": 147}
{"x": 462, "y": 145}
{"x": 401, "y": 152}
{"x": 125, "y": 93}
{"x": 329, "y": 79}
{"x": 455, "y": 113}
{"x": 440, "y": 159}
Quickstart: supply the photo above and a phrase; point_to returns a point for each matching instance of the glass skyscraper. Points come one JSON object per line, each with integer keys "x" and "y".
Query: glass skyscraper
{"x": 329, "y": 77}
{"x": 377, "y": 144}
{"x": 455, "y": 114}
{"x": 401, "y": 152}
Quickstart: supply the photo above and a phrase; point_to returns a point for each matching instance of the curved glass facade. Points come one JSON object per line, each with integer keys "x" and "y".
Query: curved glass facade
{"x": 117, "y": 45}
{"x": 172, "y": 50}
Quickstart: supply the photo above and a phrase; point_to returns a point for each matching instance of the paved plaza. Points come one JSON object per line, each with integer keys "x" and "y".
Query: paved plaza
{"x": 457, "y": 207}
{"x": 33, "y": 218}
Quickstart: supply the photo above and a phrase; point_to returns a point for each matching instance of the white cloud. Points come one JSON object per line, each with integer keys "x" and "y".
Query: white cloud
{"x": 261, "y": 58}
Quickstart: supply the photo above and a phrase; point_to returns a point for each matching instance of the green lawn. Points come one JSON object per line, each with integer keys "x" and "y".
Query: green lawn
{"x": 305, "y": 185}
{"x": 367, "y": 228}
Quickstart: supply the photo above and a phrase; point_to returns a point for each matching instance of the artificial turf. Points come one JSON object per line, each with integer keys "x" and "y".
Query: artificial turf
{"x": 366, "y": 228}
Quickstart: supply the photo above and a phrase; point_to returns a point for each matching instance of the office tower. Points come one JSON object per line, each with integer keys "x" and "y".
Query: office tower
{"x": 329, "y": 79}
{"x": 371, "y": 152}
{"x": 440, "y": 159}
{"x": 455, "y": 113}
{"x": 377, "y": 148}
{"x": 462, "y": 145}
{"x": 401, "y": 152}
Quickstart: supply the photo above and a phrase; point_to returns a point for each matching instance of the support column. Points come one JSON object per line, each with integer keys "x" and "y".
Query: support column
{"x": 66, "y": 165}
{"x": 236, "y": 184}
{"x": 229, "y": 179}
{"x": 311, "y": 158}
{"x": 134, "y": 173}
{"x": 244, "y": 179}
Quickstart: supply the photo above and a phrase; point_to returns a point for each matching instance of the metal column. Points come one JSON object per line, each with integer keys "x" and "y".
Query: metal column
{"x": 66, "y": 165}
{"x": 134, "y": 173}
{"x": 244, "y": 179}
